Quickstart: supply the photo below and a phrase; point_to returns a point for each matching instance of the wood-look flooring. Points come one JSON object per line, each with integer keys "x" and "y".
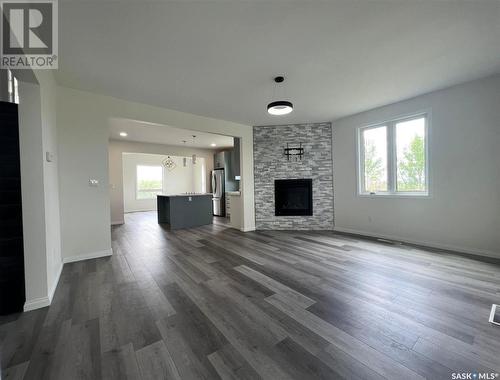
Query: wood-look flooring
{"x": 212, "y": 302}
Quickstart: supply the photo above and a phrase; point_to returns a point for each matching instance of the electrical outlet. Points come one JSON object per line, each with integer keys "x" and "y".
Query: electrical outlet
{"x": 93, "y": 182}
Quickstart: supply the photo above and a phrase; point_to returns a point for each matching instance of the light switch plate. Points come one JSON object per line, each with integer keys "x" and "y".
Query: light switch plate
{"x": 49, "y": 156}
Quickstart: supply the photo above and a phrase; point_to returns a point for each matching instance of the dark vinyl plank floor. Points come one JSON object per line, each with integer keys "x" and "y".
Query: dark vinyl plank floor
{"x": 215, "y": 303}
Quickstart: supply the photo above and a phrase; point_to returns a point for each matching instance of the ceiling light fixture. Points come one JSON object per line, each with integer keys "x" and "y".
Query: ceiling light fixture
{"x": 193, "y": 157}
{"x": 169, "y": 163}
{"x": 213, "y": 144}
{"x": 123, "y": 134}
{"x": 279, "y": 107}
{"x": 184, "y": 159}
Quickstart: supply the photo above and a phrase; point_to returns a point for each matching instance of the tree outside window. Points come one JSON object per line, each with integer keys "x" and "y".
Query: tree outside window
{"x": 149, "y": 181}
{"x": 393, "y": 157}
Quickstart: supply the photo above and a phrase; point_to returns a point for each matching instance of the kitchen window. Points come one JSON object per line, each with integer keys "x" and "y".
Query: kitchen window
{"x": 393, "y": 157}
{"x": 149, "y": 181}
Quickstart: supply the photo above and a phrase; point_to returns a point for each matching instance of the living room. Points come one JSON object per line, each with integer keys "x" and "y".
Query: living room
{"x": 365, "y": 242}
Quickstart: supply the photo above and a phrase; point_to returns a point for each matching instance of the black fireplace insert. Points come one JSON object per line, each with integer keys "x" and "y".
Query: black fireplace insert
{"x": 293, "y": 197}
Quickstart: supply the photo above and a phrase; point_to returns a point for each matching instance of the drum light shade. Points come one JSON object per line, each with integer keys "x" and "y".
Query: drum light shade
{"x": 280, "y": 107}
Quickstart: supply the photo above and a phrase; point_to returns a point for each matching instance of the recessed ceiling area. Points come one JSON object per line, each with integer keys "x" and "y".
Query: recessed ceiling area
{"x": 161, "y": 134}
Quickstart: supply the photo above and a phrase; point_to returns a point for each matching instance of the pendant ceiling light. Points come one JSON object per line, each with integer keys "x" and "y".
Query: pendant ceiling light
{"x": 279, "y": 107}
{"x": 184, "y": 159}
{"x": 193, "y": 157}
{"x": 169, "y": 163}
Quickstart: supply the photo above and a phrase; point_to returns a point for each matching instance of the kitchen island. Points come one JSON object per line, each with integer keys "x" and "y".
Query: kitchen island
{"x": 185, "y": 210}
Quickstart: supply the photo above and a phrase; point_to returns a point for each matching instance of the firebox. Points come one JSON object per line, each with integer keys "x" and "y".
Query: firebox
{"x": 293, "y": 197}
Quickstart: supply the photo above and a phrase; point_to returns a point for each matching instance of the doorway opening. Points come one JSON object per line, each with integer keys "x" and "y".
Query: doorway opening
{"x": 152, "y": 163}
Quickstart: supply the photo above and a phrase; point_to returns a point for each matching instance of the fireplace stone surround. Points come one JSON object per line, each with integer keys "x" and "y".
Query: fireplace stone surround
{"x": 270, "y": 164}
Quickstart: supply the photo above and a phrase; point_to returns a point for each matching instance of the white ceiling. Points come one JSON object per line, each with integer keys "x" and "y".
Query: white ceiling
{"x": 160, "y": 134}
{"x": 218, "y": 58}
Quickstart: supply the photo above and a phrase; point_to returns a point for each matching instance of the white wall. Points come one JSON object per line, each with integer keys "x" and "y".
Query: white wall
{"x": 32, "y": 189}
{"x": 463, "y": 212}
{"x": 48, "y": 92}
{"x": 40, "y": 188}
{"x": 83, "y": 155}
{"x": 117, "y": 148}
{"x": 83, "y": 131}
{"x": 176, "y": 181}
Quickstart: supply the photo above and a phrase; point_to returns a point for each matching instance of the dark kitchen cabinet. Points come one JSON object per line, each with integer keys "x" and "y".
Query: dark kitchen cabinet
{"x": 12, "y": 292}
{"x": 219, "y": 160}
{"x": 229, "y": 160}
{"x": 235, "y": 158}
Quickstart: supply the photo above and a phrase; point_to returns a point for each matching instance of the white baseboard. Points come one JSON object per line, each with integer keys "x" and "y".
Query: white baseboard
{"x": 118, "y": 222}
{"x": 448, "y": 247}
{"x": 53, "y": 288}
{"x": 36, "y": 303}
{"x": 139, "y": 210}
{"x": 40, "y": 302}
{"x": 248, "y": 229}
{"x": 87, "y": 256}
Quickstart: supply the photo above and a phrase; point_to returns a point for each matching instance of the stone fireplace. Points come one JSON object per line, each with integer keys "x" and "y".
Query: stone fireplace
{"x": 293, "y": 197}
{"x": 293, "y": 194}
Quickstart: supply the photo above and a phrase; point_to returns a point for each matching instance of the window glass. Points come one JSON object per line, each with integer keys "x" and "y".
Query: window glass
{"x": 149, "y": 181}
{"x": 375, "y": 159}
{"x": 393, "y": 158}
{"x": 410, "y": 155}
{"x": 12, "y": 88}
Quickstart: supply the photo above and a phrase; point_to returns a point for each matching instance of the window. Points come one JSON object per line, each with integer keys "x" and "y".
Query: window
{"x": 12, "y": 88}
{"x": 410, "y": 155}
{"x": 393, "y": 157}
{"x": 149, "y": 181}
{"x": 375, "y": 159}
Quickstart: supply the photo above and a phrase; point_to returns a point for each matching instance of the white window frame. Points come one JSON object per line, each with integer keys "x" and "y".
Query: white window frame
{"x": 392, "y": 158}
{"x": 137, "y": 185}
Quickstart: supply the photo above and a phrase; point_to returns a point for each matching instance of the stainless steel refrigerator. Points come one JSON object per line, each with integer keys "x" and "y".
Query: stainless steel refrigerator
{"x": 218, "y": 198}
